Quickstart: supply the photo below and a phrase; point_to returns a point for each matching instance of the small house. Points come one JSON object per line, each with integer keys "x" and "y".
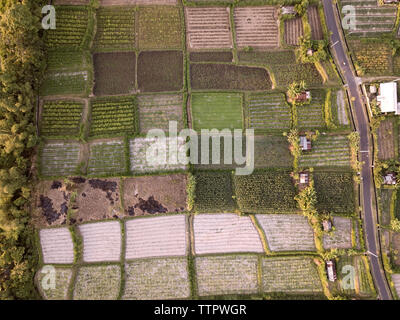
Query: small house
{"x": 326, "y": 225}
{"x": 286, "y": 10}
{"x": 389, "y": 178}
{"x": 304, "y": 96}
{"x": 305, "y": 143}
{"x": 390, "y": 1}
{"x": 387, "y": 98}
{"x": 331, "y": 270}
{"x": 304, "y": 178}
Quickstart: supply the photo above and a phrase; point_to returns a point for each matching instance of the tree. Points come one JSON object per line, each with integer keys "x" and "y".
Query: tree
{"x": 301, "y": 8}
{"x": 311, "y": 51}
{"x": 295, "y": 88}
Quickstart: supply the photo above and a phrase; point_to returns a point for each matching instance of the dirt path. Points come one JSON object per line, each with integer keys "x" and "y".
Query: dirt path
{"x": 188, "y": 112}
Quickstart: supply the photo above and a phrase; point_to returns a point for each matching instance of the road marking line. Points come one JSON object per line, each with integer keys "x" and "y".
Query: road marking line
{"x": 364, "y": 151}
{"x": 334, "y": 43}
{"x": 369, "y": 252}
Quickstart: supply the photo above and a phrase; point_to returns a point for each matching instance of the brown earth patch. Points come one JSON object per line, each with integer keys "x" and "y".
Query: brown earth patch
{"x": 395, "y": 241}
{"x": 386, "y": 148}
{"x": 154, "y": 194}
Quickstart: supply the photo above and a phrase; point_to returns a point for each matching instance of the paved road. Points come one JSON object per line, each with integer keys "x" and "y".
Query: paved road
{"x": 362, "y": 125}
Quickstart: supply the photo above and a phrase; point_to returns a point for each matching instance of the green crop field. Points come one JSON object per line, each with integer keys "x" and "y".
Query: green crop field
{"x": 74, "y": 83}
{"x": 113, "y": 117}
{"x": 160, "y": 28}
{"x": 71, "y": 28}
{"x": 204, "y": 76}
{"x": 272, "y": 151}
{"x": 327, "y": 151}
{"x": 115, "y": 29}
{"x": 59, "y": 158}
{"x": 61, "y": 118}
{"x": 288, "y": 73}
{"x": 265, "y": 192}
{"x": 66, "y": 60}
{"x": 291, "y": 275}
{"x": 107, "y": 158}
{"x": 217, "y": 111}
{"x": 311, "y": 116}
{"x": 98, "y": 283}
{"x": 155, "y": 111}
{"x": 114, "y": 73}
{"x": 213, "y": 191}
{"x": 335, "y": 191}
{"x": 267, "y": 112}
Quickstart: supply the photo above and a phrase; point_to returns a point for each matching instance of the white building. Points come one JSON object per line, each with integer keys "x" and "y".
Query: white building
{"x": 388, "y": 97}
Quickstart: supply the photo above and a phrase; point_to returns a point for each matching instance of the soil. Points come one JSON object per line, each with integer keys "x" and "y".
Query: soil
{"x": 155, "y": 194}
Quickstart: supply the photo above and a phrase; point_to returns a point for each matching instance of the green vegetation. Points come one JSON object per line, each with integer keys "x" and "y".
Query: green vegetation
{"x": 59, "y": 159}
{"x": 335, "y": 192}
{"x": 265, "y": 191}
{"x": 311, "y": 116}
{"x": 61, "y": 118}
{"x": 217, "y": 110}
{"x": 286, "y": 74}
{"x": 114, "y": 117}
{"x": 213, "y": 191}
{"x": 160, "y": 28}
{"x": 115, "y": 29}
{"x": 107, "y": 158}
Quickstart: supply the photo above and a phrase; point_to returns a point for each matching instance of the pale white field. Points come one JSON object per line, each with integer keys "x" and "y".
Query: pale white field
{"x": 341, "y": 237}
{"x": 157, "y": 279}
{"x": 62, "y": 281}
{"x": 396, "y": 281}
{"x": 98, "y": 283}
{"x": 101, "y": 241}
{"x": 57, "y": 246}
{"x": 156, "y": 237}
{"x": 219, "y": 233}
{"x": 287, "y": 232}
{"x": 220, "y": 275}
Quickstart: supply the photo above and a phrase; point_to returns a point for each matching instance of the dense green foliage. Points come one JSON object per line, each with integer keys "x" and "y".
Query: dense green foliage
{"x": 21, "y": 68}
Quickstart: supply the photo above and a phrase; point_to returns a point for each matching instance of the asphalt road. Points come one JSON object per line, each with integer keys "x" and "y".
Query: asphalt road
{"x": 362, "y": 126}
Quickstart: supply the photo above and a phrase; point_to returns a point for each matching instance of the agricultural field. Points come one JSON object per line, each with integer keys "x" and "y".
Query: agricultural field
{"x": 396, "y": 282}
{"x": 57, "y": 246}
{"x": 153, "y": 154}
{"x": 205, "y": 76}
{"x": 386, "y": 143}
{"x": 156, "y": 111}
{"x": 293, "y": 31}
{"x": 216, "y": 111}
{"x": 61, "y": 118}
{"x": 287, "y": 73}
{"x": 290, "y": 275}
{"x": 214, "y": 192}
{"x": 98, "y": 283}
{"x": 156, "y": 237}
{"x": 315, "y": 23}
{"x": 386, "y": 199}
{"x": 157, "y": 279}
{"x": 329, "y": 150}
{"x": 372, "y": 19}
{"x": 160, "y": 71}
{"x": 63, "y": 279}
{"x": 311, "y": 116}
{"x": 335, "y": 192}
{"x": 267, "y": 112}
{"x": 208, "y": 28}
{"x": 220, "y": 233}
{"x": 256, "y": 27}
{"x": 59, "y": 158}
{"x": 363, "y": 285}
{"x": 287, "y": 232}
{"x": 115, "y": 29}
{"x": 339, "y": 238}
{"x": 101, "y": 241}
{"x": 159, "y": 28}
{"x": 265, "y": 192}
{"x": 72, "y": 29}
{"x": 114, "y": 73}
{"x": 274, "y": 57}
{"x": 107, "y": 158}
{"x": 113, "y": 117}
{"x": 340, "y": 108}
{"x": 66, "y": 60}
{"x": 374, "y": 57}
{"x": 155, "y": 194}
{"x": 230, "y": 275}
{"x": 211, "y": 56}
{"x": 272, "y": 151}
{"x": 62, "y": 83}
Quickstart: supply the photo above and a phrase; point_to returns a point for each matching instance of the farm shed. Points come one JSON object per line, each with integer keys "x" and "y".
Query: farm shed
{"x": 288, "y": 10}
{"x": 304, "y": 96}
{"x": 389, "y": 178}
{"x": 305, "y": 143}
{"x": 304, "y": 178}
{"x": 331, "y": 270}
{"x": 390, "y": 1}
{"x": 388, "y": 97}
{"x": 327, "y": 225}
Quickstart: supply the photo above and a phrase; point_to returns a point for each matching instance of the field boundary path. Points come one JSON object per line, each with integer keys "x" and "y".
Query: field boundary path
{"x": 370, "y": 219}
